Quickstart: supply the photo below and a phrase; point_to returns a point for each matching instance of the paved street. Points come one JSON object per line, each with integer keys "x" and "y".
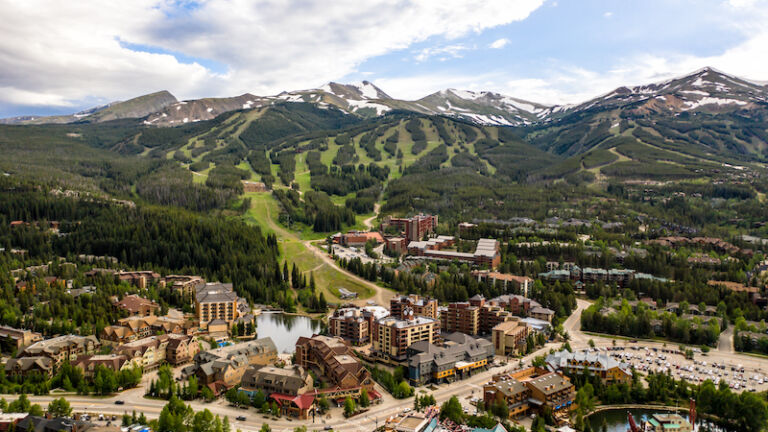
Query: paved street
{"x": 471, "y": 387}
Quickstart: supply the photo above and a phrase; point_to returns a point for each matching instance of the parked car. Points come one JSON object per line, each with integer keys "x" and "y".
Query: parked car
{"x": 240, "y": 418}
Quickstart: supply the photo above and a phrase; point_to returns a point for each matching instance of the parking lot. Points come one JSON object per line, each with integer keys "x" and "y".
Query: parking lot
{"x": 695, "y": 371}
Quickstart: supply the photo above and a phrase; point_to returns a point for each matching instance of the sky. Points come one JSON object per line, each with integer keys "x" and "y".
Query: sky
{"x": 61, "y": 57}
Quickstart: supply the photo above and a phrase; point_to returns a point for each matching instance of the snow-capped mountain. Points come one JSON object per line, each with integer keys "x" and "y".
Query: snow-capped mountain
{"x": 706, "y": 90}
{"x": 483, "y": 107}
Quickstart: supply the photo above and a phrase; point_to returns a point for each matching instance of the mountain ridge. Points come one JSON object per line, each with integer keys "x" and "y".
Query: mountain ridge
{"x": 704, "y": 90}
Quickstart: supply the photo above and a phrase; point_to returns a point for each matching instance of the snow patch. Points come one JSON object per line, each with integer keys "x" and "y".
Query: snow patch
{"x": 209, "y": 109}
{"x": 712, "y": 101}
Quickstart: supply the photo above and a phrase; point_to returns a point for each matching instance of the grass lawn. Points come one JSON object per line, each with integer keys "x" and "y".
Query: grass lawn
{"x": 263, "y": 212}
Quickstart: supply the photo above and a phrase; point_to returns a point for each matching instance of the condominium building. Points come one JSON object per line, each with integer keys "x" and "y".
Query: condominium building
{"x": 216, "y": 301}
{"x": 62, "y": 348}
{"x": 420, "y": 306}
{"x": 19, "y": 338}
{"x": 600, "y": 365}
{"x": 332, "y": 358}
{"x": 519, "y": 284}
{"x": 458, "y": 357}
{"x": 392, "y": 336}
{"x": 354, "y": 324}
{"x": 461, "y": 317}
{"x": 530, "y": 391}
{"x": 509, "y": 337}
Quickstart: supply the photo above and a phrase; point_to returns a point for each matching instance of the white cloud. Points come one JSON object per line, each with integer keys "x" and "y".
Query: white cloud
{"x": 499, "y": 43}
{"x": 608, "y": 14}
{"x": 442, "y": 53}
{"x": 59, "y": 53}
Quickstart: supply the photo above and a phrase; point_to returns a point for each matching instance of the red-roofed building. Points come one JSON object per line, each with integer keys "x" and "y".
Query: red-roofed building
{"x": 297, "y": 406}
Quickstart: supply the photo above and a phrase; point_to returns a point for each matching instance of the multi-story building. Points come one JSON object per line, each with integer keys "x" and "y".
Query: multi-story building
{"x": 354, "y": 324}
{"x": 333, "y": 359}
{"x": 216, "y": 301}
{"x": 520, "y": 284}
{"x": 603, "y": 366}
{"x": 509, "y": 337}
{"x": 62, "y": 348}
{"x": 19, "y": 338}
{"x": 486, "y": 254}
{"x": 458, "y": 357}
{"x": 187, "y": 285}
{"x": 392, "y": 336}
{"x": 89, "y": 363}
{"x": 292, "y": 381}
{"x": 25, "y": 366}
{"x": 531, "y": 390}
{"x": 415, "y": 228}
{"x": 223, "y": 368}
{"x": 461, "y": 317}
{"x": 420, "y": 306}
{"x": 136, "y": 305}
{"x": 139, "y": 279}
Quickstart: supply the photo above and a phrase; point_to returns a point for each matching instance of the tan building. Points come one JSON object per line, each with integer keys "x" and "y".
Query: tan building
{"x": 223, "y": 368}
{"x": 139, "y": 279}
{"x": 148, "y": 353}
{"x": 521, "y": 284}
{"x": 667, "y": 422}
{"x": 509, "y": 337}
{"x": 600, "y": 365}
{"x": 392, "y": 336}
{"x": 62, "y": 348}
{"x": 531, "y": 390}
{"x": 216, "y": 301}
{"x": 420, "y": 306}
{"x": 18, "y": 338}
{"x": 293, "y": 381}
{"x": 187, "y": 285}
{"x": 461, "y": 317}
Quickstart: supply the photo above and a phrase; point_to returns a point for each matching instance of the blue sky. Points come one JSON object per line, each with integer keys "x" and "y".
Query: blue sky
{"x": 541, "y": 50}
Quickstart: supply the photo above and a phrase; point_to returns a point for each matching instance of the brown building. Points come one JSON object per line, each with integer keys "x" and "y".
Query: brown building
{"x": 139, "y": 279}
{"x": 24, "y": 366}
{"x": 392, "y": 336}
{"x": 419, "y": 306}
{"x": 136, "y": 305}
{"x": 461, "y": 317}
{"x": 415, "y": 228}
{"x": 396, "y": 245}
{"x": 224, "y": 367}
{"x": 332, "y": 358}
{"x": 89, "y": 363}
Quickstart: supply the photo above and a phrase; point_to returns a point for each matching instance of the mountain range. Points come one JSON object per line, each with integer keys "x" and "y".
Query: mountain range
{"x": 704, "y": 91}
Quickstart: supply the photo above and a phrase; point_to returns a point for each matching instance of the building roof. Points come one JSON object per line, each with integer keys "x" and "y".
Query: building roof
{"x": 216, "y": 292}
{"x": 560, "y": 360}
{"x": 550, "y": 383}
{"x": 134, "y": 303}
{"x": 395, "y": 322}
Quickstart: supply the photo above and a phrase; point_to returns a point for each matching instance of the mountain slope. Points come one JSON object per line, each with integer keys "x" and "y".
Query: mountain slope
{"x": 137, "y": 107}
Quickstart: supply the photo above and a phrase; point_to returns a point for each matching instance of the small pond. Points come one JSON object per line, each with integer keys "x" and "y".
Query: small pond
{"x": 285, "y": 330}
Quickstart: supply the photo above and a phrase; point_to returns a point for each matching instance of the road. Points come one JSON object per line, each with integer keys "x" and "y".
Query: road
{"x": 134, "y": 400}
{"x": 369, "y": 222}
{"x": 723, "y": 354}
{"x": 381, "y": 295}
